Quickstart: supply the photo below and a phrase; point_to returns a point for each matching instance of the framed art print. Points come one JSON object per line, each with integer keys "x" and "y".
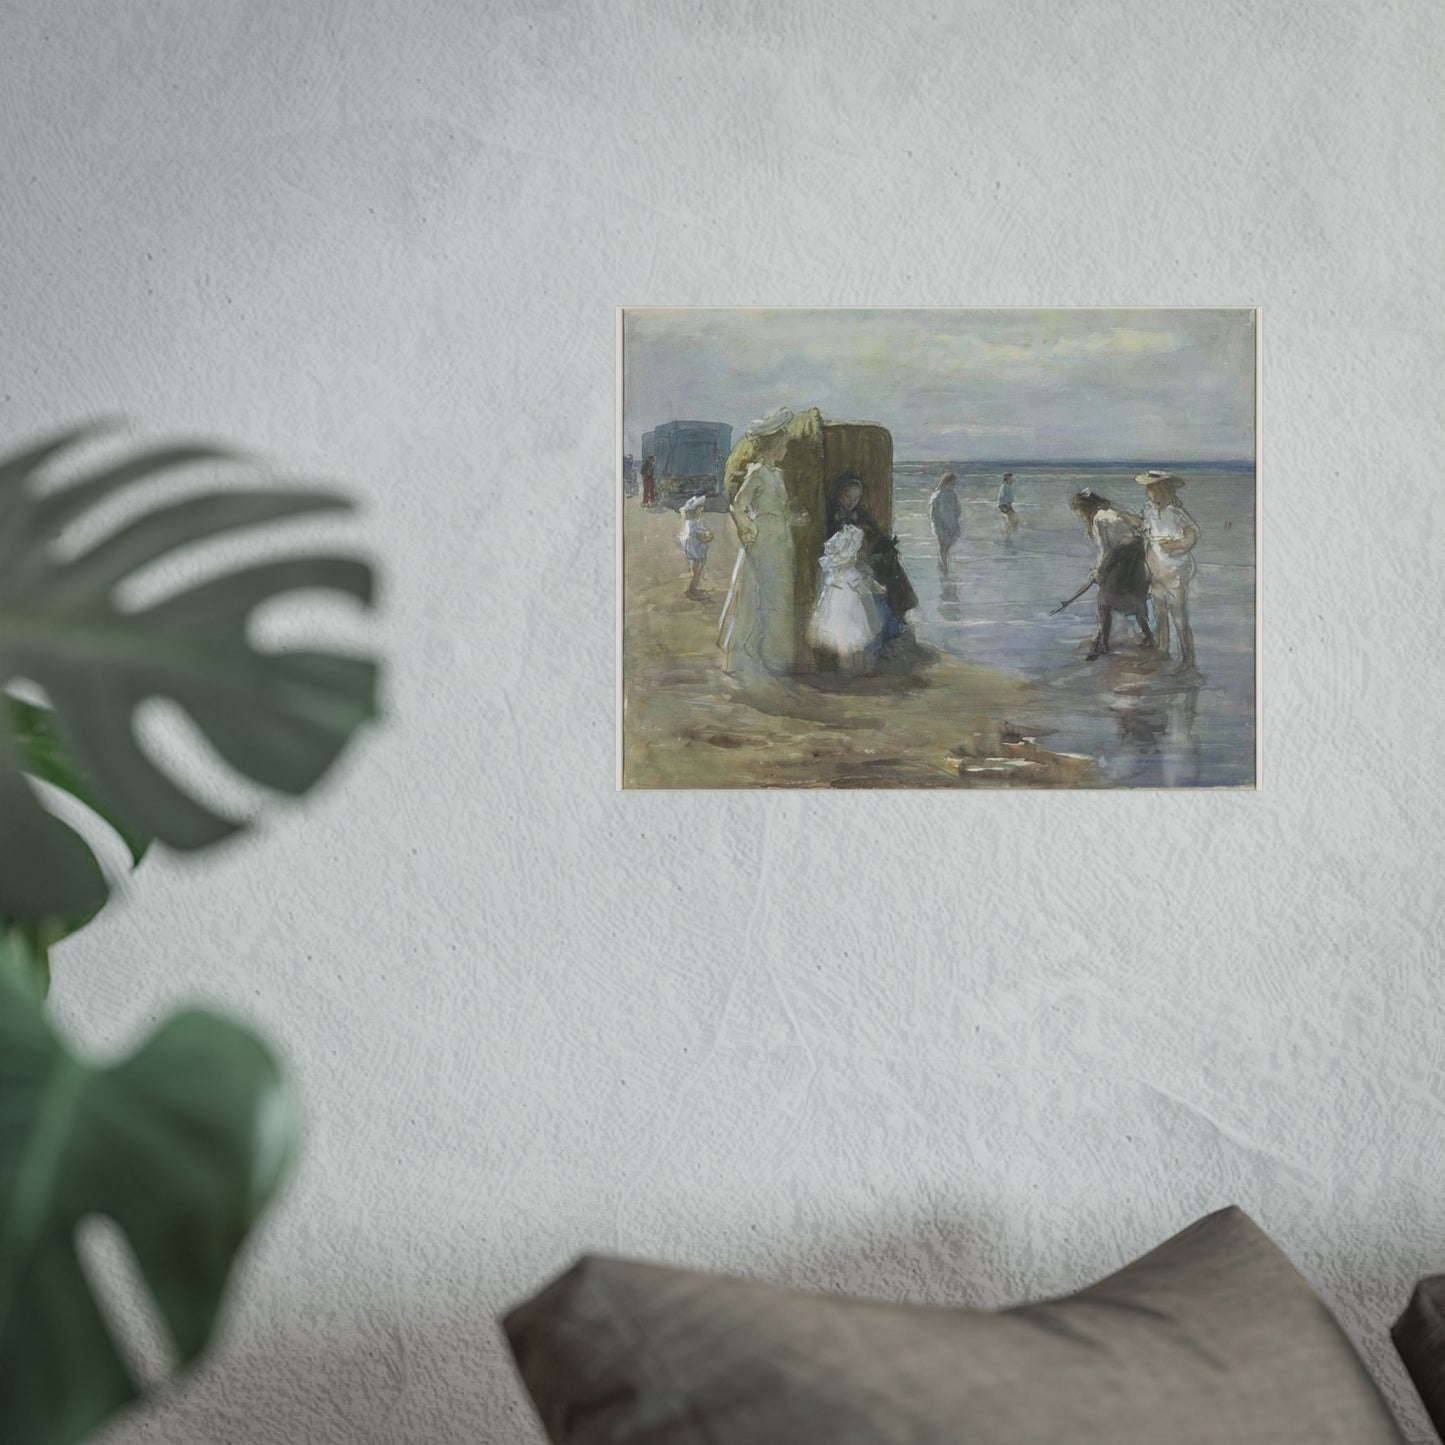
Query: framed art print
{"x": 938, "y": 548}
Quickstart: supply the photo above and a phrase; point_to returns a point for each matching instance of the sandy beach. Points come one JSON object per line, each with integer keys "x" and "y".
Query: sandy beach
{"x": 923, "y": 719}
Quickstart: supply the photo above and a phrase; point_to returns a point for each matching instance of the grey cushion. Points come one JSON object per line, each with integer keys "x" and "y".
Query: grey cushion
{"x": 1213, "y": 1337}
{"x": 1419, "y": 1336}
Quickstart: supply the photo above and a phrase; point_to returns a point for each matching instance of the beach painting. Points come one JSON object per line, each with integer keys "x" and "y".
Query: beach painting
{"x": 915, "y": 548}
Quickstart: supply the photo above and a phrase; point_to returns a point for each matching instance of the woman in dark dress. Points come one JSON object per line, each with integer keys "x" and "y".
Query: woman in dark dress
{"x": 845, "y": 508}
{"x": 1121, "y": 572}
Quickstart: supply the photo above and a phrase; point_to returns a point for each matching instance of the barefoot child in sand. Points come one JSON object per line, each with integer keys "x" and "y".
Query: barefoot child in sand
{"x": 694, "y": 539}
{"x": 847, "y": 620}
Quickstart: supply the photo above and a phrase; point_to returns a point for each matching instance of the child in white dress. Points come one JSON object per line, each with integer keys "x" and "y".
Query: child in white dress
{"x": 846, "y": 620}
{"x": 694, "y": 539}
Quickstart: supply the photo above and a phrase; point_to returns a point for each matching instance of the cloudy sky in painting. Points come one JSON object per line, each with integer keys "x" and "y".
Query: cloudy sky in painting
{"x": 1136, "y": 385}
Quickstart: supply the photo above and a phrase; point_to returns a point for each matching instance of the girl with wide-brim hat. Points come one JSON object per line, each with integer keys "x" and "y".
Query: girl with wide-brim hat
{"x": 1170, "y": 535}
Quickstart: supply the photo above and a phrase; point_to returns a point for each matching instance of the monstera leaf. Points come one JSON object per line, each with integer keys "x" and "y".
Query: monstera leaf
{"x": 181, "y": 1144}
{"x": 38, "y": 738}
{"x": 34, "y": 731}
{"x": 280, "y": 718}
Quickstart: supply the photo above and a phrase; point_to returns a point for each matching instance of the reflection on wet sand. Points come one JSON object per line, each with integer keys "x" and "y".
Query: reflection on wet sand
{"x": 1159, "y": 737}
{"x": 1148, "y": 726}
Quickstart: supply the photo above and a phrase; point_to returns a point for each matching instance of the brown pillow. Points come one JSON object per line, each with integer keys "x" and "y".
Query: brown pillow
{"x": 1213, "y": 1338}
{"x": 1419, "y": 1336}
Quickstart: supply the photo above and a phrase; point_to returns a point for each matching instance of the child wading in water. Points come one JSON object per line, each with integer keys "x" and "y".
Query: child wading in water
{"x": 943, "y": 512}
{"x": 846, "y": 621}
{"x": 1006, "y": 504}
{"x": 694, "y": 539}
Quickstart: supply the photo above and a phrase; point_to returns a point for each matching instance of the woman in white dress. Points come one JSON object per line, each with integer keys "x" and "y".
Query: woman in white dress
{"x": 847, "y": 620}
{"x": 759, "y": 632}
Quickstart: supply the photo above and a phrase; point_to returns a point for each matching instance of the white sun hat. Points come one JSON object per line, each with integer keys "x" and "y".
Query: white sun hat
{"x": 1168, "y": 478}
{"x": 765, "y": 424}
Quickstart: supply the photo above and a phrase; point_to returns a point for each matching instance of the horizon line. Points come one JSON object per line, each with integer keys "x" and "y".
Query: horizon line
{"x": 1142, "y": 462}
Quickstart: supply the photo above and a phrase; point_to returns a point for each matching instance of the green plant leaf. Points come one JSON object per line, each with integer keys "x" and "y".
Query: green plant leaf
{"x": 26, "y": 957}
{"x": 182, "y": 1145}
{"x": 35, "y": 732}
{"x": 280, "y": 718}
{"x": 43, "y": 757}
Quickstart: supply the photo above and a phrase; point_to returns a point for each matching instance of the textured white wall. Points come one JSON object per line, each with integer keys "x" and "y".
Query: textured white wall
{"x": 937, "y": 1046}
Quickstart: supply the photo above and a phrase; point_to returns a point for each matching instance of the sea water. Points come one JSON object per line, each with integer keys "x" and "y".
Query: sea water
{"x": 1141, "y": 725}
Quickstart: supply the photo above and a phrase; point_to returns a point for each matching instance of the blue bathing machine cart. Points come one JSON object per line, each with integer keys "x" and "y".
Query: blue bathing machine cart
{"x": 690, "y": 458}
